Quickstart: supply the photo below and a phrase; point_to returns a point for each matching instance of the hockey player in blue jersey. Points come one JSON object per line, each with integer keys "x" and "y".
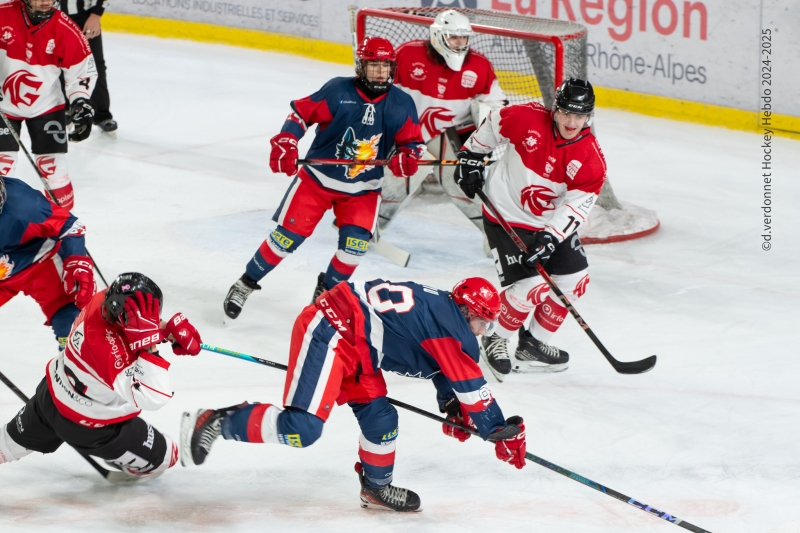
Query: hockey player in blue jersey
{"x": 340, "y": 346}
{"x": 43, "y": 255}
{"x": 358, "y": 118}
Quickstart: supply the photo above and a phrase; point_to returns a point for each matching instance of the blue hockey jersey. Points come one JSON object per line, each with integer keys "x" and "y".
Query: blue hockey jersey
{"x": 418, "y": 331}
{"x": 352, "y": 126}
{"x": 32, "y": 228}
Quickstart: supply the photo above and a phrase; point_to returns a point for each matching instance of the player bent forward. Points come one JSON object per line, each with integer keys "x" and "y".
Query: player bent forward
{"x": 359, "y": 117}
{"x": 94, "y": 391}
{"x": 544, "y": 185}
{"x": 43, "y": 255}
{"x": 339, "y": 347}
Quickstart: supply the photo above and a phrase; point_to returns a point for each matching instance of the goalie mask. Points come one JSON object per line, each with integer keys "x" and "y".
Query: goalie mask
{"x": 124, "y": 287}
{"x": 40, "y": 10}
{"x": 374, "y": 51}
{"x": 450, "y": 36}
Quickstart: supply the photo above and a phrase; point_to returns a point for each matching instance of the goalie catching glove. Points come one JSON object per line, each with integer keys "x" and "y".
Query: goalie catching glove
{"x": 283, "y": 156}
{"x": 469, "y": 172}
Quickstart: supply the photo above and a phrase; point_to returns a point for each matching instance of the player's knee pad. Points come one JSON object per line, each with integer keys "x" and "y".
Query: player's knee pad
{"x": 8, "y": 163}
{"x": 282, "y": 242}
{"x": 62, "y": 321}
{"x": 298, "y": 428}
{"x": 573, "y": 285}
{"x": 353, "y": 244}
{"x": 9, "y": 449}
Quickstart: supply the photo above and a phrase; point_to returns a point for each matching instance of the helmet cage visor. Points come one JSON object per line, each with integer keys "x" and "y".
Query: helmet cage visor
{"x": 378, "y": 86}
{"x": 462, "y": 49}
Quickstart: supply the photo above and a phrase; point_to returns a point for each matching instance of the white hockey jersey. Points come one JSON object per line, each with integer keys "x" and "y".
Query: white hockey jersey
{"x": 97, "y": 381}
{"x": 444, "y": 96}
{"x": 33, "y": 56}
{"x": 542, "y": 181}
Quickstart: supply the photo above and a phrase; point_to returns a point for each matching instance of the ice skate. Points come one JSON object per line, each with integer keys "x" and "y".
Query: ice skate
{"x": 388, "y": 497}
{"x": 320, "y": 288}
{"x": 109, "y": 127}
{"x": 237, "y": 295}
{"x": 535, "y": 356}
{"x": 199, "y": 431}
{"x": 494, "y": 351}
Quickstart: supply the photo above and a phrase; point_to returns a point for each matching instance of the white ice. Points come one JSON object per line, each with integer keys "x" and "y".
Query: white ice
{"x": 185, "y": 195}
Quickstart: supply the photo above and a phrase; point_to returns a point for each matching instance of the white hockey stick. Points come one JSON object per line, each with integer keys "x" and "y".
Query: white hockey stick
{"x": 396, "y": 255}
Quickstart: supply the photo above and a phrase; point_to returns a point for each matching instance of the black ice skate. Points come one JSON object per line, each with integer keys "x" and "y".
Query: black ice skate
{"x": 108, "y": 126}
{"x": 388, "y": 497}
{"x": 494, "y": 351}
{"x": 535, "y": 356}
{"x": 237, "y": 295}
{"x": 199, "y": 431}
{"x": 320, "y": 288}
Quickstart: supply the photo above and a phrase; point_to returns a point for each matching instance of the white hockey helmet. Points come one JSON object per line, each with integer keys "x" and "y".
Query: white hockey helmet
{"x": 451, "y": 23}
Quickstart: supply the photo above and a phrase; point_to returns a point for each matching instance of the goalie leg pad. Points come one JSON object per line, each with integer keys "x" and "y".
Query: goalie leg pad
{"x": 376, "y": 445}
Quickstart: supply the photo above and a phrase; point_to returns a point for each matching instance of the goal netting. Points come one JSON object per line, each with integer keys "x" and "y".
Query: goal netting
{"x": 531, "y": 57}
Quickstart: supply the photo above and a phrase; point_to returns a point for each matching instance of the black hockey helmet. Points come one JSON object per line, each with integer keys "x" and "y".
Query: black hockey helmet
{"x": 575, "y": 96}
{"x": 36, "y": 14}
{"x": 124, "y": 287}
{"x": 3, "y": 194}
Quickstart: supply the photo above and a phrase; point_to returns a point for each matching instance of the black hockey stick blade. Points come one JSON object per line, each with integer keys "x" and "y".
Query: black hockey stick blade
{"x": 635, "y": 367}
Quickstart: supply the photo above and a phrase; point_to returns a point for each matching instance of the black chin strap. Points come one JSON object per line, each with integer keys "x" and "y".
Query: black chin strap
{"x": 368, "y": 90}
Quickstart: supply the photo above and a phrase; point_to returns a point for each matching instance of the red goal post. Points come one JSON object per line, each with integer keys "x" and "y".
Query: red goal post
{"x": 531, "y": 58}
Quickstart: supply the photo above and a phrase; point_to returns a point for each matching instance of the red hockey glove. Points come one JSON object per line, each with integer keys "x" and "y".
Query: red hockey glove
{"x": 283, "y": 157}
{"x": 456, "y": 413}
{"x": 404, "y": 163}
{"x": 184, "y": 337}
{"x": 141, "y": 325}
{"x": 511, "y": 449}
{"x": 78, "y": 277}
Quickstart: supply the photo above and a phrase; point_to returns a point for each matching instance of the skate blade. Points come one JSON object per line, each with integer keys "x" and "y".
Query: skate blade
{"x": 366, "y": 504}
{"x": 534, "y": 368}
{"x": 110, "y": 134}
{"x": 188, "y": 421}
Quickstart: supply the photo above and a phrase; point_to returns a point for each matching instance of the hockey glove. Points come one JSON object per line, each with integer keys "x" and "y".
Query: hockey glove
{"x": 184, "y": 337}
{"x": 283, "y": 156}
{"x": 141, "y": 321}
{"x": 403, "y": 163}
{"x": 78, "y": 277}
{"x": 469, "y": 172}
{"x": 82, "y": 114}
{"x": 456, "y": 413}
{"x": 512, "y": 449}
{"x": 541, "y": 249}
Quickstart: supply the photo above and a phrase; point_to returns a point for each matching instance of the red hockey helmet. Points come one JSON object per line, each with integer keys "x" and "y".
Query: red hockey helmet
{"x": 479, "y": 296}
{"x": 376, "y": 49}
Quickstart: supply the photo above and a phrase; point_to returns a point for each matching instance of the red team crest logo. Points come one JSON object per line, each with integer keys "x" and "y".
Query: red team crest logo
{"x": 531, "y": 142}
{"x": 538, "y": 199}
{"x": 47, "y": 165}
{"x": 16, "y": 86}
{"x": 6, "y": 164}
{"x": 431, "y": 115}
{"x": 537, "y": 294}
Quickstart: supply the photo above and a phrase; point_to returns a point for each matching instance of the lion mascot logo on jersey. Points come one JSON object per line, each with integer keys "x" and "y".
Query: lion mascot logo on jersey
{"x": 357, "y": 150}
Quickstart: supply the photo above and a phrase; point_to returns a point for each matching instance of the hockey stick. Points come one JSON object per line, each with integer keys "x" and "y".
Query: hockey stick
{"x": 44, "y": 181}
{"x": 631, "y": 367}
{"x": 116, "y": 478}
{"x": 531, "y": 457}
{"x": 375, "y": 162}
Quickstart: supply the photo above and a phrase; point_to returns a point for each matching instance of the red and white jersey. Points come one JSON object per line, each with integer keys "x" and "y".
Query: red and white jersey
{"x": 442, "y": 95}
{"x": 33, "y": 57}
{"x": 541, "y": 182}
{"x": 97, "y": 381}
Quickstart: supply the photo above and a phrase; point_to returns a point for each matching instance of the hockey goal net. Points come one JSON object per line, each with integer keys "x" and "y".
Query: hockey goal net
{"x": 531, "y": 57}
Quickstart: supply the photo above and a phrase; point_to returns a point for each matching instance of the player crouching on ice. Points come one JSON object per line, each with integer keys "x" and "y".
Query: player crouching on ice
{"x": 339, "y": 347}
{"x": 43, "y": 255}
{"x": 359, "y": 117}
{"x": 93, "y": 392}
{"x": 544, "y": 185}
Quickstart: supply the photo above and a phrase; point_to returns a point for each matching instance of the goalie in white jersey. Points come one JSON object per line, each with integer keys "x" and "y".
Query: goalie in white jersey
{"x": 544, "y": 186}
{"x": 453, "y": 88}
{"x": 94, "y": 390}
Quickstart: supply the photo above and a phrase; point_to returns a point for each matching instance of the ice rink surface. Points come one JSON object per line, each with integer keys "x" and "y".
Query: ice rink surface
{"x": 185, "y": 195}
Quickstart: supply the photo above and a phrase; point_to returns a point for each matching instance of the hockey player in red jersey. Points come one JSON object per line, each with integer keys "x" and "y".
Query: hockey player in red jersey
{"x": 43, "y": 255}
{"x": 38, "y": 44}
{"x": 358, "y": 118}
{"x": 453, "y": 88}
{"x": 94, "y": 391}
{"x": 341, "y": 345}
{"x": 544, "y": 185}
